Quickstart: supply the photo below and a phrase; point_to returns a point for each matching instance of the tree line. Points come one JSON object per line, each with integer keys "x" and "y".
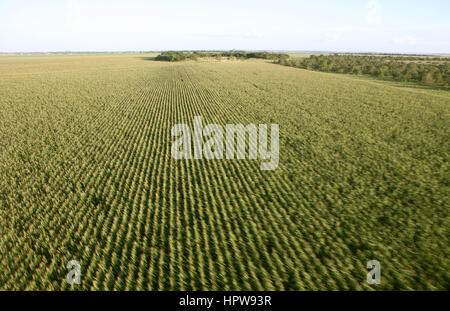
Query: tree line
{"x": 175, "y": 56}
{"x": 423, "y": 70}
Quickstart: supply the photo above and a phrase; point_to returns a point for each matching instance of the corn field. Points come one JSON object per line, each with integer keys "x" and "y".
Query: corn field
{"x": 86, "y": 174}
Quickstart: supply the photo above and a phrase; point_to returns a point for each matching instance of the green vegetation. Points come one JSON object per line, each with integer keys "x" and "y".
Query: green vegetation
{"x": 430, "y": 71}
{"x": 179, "y": 56}
{"x": 86, "y": 174}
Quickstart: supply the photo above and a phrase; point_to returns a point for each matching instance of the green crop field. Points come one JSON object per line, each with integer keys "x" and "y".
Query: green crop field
{"x": 86, "y": 174}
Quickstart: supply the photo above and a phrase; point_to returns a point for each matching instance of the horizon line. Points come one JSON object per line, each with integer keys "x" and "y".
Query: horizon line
{"x": 221, "y": 50}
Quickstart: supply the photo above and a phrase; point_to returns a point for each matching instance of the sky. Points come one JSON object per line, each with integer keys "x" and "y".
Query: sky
{"x": 391, "y": 26}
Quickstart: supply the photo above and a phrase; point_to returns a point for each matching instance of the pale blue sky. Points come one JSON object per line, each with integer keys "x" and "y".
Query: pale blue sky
{"x": 399, "y": 26}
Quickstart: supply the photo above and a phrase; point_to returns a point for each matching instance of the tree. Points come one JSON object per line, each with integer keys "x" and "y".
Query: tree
{"x": 438, "y": 78}
{"x": 427, "y": 78}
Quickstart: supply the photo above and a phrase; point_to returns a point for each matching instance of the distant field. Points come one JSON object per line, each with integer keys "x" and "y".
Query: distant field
{"x": 302, "y": 55}
{"x": 86, "y": 173}
{"x": 77, "y": 54}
